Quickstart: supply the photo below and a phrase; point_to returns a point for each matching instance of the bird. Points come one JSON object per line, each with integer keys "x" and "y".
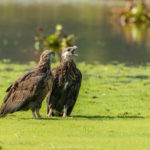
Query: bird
{"x": 66, "y": 85}
{"x": 29, "y": 90}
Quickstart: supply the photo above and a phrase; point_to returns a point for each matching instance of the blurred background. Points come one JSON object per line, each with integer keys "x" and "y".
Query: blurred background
{"x": 100, "y": 36}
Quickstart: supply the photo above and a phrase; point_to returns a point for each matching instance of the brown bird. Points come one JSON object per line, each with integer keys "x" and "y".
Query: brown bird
{"x": 28, "y": 91}
{"x": 66, "y": 86}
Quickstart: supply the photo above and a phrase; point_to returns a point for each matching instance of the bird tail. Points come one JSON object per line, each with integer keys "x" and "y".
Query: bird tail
{"x": 1, "y": 115}
{"x": 2, "y": 111}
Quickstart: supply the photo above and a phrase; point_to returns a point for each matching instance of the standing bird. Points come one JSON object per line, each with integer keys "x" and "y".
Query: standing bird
{"x": 28, "y": 91}
{"x": 66, "y": 85}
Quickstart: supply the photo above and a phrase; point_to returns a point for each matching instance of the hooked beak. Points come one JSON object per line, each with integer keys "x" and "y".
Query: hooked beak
{"x": 73, "y": 50}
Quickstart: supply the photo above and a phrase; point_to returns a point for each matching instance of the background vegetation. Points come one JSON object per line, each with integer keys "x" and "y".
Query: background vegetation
{"x": 56, "y": 42}
{"x": 100, "y": 37}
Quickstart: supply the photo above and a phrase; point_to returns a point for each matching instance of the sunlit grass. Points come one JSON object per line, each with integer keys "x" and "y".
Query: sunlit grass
{"x": 112, "y": 112}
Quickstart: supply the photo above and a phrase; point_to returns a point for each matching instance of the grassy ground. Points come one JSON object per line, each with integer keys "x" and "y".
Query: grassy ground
{"x": 112, "y": 113}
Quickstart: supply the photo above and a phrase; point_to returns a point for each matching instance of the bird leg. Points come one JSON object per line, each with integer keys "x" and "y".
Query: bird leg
{"x": 65, "y": 111}
{"x": 38, "y": 114}
{"x": 50, "y": 111}
{"x": 33, "y": 114}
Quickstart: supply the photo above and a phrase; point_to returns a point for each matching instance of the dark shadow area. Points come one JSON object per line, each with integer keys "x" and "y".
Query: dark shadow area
{"x": 139, "y": 77}
{"x": 126, "y": 79}
{"x": 52, "y": 118}
{"x": 6, "y": 69}
{"x": 109, "y": 117}
{"x": 96, "y": 117}
{"x": 132, "y": 77}
{"x": 4, "y": 77}
{"x": 125, "y": 82}
{"x": 129, "y": 78}
{"x": 0, "y": 147}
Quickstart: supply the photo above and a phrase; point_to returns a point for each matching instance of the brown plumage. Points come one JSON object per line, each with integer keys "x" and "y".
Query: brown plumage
{"x": 66, "y": 86}
{"x": 28, "y": 91}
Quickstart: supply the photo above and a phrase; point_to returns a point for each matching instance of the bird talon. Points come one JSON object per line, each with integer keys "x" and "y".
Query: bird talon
{"x": 33, "y": 117}
{"x": 40, "y": 118}
{"x": 49, "y": 115}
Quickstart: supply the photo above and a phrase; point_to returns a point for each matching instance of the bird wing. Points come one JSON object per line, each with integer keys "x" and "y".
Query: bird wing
{"x": 54, "y": 93}
{"x": 18, "y": 80}
{"x": 22, "y": 90}
{"x": 74, "y": 92}
{"x": 14, "y": 86}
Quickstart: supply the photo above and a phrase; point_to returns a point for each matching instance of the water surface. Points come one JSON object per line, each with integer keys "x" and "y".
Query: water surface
{"x": 100, "y": 37}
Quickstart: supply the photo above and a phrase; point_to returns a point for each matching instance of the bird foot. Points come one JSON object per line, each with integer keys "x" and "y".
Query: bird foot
{"x": 49, "y": 115}
{"x": 40, "y": 118}
{"x": 33, "y": 117}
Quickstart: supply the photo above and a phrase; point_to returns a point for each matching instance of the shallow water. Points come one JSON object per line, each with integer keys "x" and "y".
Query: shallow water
{"x": 100, "y": 37}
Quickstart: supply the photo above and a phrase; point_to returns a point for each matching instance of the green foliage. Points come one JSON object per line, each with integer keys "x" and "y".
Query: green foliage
{"x": 57, "y": 41}
{"x": 135, "y": 21}
{"x": 136, "y": 13}
{"x": 113, "y": 108}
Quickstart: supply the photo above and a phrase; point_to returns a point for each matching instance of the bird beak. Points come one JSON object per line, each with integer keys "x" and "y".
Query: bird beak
{"x": 73, "y": 51}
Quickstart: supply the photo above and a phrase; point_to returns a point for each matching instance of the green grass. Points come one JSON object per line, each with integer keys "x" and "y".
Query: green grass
{"x": 112, "y": 112}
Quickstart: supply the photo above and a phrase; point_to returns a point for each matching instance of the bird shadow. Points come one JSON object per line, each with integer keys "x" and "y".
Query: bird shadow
{"x": 132, "y": 77}
{"x": 108, "y": 117}
{"x": 88, "y": 117}
{"x": 51, "y": 118}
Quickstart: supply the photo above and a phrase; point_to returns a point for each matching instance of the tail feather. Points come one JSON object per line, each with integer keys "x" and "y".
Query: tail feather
{"x": 1, "y": 115}
{"x": 1, "y": 111}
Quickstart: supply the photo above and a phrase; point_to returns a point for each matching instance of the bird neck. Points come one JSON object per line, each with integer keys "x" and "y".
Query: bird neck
{"x": 67, "y": 71}
{"x": 68, "y": 65}
{"x": 67, "y": 61}
{"x": 43, "y": 66}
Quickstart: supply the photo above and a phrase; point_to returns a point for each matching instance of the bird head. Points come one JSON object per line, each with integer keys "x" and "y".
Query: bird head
{"x": 47, "y": 55}
{"x": 69, "y": 52}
